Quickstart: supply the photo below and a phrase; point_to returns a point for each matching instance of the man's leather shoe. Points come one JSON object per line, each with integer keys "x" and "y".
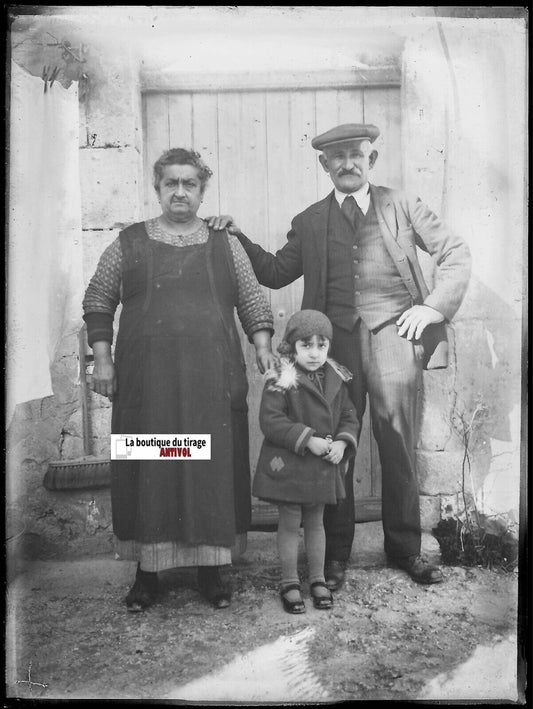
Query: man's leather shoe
{"x": 419, "y": 569}
{"x": 334, "y": 573}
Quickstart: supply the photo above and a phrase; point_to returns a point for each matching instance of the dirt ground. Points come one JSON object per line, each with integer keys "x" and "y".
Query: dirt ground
{"x": 387, "y": 638}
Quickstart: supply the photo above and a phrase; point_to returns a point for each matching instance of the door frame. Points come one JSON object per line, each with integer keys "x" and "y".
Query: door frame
{"x": 264, "y": 515}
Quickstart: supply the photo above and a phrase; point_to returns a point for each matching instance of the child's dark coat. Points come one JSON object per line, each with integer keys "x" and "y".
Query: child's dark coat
{"x": 292, "y": 410}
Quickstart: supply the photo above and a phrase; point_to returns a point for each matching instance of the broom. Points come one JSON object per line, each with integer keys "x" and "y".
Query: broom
{"x": 89, "y": 470}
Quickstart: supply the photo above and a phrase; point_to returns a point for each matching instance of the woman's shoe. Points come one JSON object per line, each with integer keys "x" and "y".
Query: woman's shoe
{"x": 212, "y": 587}
{"x": 323, "y": 603}
{"x": 294, "y": 607}
{"x": 143, "y": 593}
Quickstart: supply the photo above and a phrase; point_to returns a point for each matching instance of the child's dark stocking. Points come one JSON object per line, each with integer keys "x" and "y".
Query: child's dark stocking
{"x": 288, "y": 538}
{"x": 315, "y": 545}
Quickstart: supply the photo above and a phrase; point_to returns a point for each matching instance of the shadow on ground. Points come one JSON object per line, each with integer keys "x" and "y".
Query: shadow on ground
{"x": 386, "y": 638}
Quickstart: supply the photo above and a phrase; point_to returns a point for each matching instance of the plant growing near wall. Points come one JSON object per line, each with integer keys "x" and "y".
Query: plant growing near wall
{"x": 466, "y": 536}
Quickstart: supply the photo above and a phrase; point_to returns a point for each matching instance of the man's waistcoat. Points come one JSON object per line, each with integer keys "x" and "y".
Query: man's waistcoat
{"x": 362, "y": 278}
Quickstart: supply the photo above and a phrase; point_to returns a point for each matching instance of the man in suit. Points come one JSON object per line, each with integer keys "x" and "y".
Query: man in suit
{"x": 356, "y": 250}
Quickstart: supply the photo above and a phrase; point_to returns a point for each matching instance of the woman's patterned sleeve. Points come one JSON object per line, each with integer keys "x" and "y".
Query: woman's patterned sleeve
{"x": 103, "y": 295}
{"x": 252, "y": 305}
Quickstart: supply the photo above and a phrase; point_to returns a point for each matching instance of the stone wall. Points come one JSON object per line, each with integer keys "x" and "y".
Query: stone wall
{"x": 459, "y": 155}
{"x": 49, "y": 430}
{"x": 485, "y": 366}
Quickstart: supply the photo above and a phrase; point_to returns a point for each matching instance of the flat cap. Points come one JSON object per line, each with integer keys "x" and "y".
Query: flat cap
{"x": 348, "y": 131}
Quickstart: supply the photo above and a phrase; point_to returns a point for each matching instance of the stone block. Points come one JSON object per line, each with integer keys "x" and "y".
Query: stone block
{"x": 430, "y": 547}
{"x": 34, "y": 448}
{"x": 439, "y": 472}
{"x": 100, "y": 421}
{"x": 100, "y": 430}
{"x": 112, "y": 116}
{"x": 111, "y": 187}
{"x": 429, "y": 511}
{"x": 72, "y": 447}
{"x": 436, "y": 409}
{"x": 490, "y": 377}
{"x": 24, "y": 476}
{"x": 64, "y": 371}
{"x": 110, "y": 103}
{"x": 74, "y": 424}
{"x": 68, "y": 522}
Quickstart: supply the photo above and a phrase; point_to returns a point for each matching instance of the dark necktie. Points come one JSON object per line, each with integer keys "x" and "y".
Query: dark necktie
{"x": 350, "y": 209}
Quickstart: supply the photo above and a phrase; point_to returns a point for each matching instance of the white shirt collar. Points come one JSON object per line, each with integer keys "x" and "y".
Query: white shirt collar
{"x": 361, "y": 196}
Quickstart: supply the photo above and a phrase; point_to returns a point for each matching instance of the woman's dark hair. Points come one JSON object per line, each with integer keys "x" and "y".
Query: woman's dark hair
{"x": 288, "y": 349}
{"x": 181, "y": 156}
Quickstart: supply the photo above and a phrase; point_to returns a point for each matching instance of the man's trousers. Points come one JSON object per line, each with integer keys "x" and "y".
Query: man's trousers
{"x": 389, "y": 369}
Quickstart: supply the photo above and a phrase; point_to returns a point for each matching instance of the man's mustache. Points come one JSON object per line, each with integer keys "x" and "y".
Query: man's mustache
{"x": 341, "y": 173}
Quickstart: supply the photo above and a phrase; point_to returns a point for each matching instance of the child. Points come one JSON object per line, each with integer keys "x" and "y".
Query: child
{"x": 309, "y": 423}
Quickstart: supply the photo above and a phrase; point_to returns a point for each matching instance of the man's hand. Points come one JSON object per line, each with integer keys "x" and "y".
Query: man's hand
{"x": 224, "y": 221}
{"x": 318, "y": 446}
{"x": 336, "y": 452}
{"x": 414, "y": 321}
{"x": 103, "y": 380}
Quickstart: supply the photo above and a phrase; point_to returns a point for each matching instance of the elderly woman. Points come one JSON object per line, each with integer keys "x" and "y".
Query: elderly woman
{"x": 178, "y": 369}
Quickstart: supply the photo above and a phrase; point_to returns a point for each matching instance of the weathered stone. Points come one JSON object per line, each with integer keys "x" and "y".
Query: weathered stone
{"x": 100, "y": 430}
{"x": 66, "y": 522}
{"x": 429, "y": 511}
{"x": 110, "y": 114}
{"x": 74, "y": 425}
{"x": 113, "y": 120}
{"x": 72, "y": 447}
{"x": 101, "y": 422}
{"x": 436, "y": 410}
{"x": 489, "y": 384}
{"x": 430, "y": 546}
{"x": 33, "y": 448}
{"x": 64, "y": 373}
{"x": 111, "y": 187}
{"x": 439, "y": 472}
{"x": 24, "y": 478}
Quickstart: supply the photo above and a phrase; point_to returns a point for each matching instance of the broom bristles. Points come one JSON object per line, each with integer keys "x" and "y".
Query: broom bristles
{"x": 89, "y": 471}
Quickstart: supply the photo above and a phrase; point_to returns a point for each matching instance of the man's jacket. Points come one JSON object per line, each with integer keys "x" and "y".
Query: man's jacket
{"x": 405, "y": 223}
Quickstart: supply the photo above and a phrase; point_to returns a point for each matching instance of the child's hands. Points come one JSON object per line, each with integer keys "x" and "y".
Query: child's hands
{"x": 318, "y": 446}
{"x": 336, "y": 452}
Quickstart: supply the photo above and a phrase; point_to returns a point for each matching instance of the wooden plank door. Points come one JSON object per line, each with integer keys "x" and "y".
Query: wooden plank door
{"x": 258, "y": 144}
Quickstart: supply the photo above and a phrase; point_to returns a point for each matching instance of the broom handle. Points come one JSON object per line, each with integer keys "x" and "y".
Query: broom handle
{"x": 83, "y": 391}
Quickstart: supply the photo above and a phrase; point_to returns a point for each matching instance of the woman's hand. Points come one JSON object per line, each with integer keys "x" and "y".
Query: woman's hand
{"x": 103, "y": 380}
{"x": 318, "y": 446}
{"x": 264, "y": 356}
{"x": 336, "y": 452}
{"x": 224, "y": 221}
{"x": 266, "y": 359}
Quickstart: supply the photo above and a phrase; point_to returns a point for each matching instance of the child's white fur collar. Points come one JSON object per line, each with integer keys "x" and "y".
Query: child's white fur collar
{"x": 285, "y": 375}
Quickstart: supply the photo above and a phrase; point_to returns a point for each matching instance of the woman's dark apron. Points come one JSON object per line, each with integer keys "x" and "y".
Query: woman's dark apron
{"x": 180, "y": 370}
